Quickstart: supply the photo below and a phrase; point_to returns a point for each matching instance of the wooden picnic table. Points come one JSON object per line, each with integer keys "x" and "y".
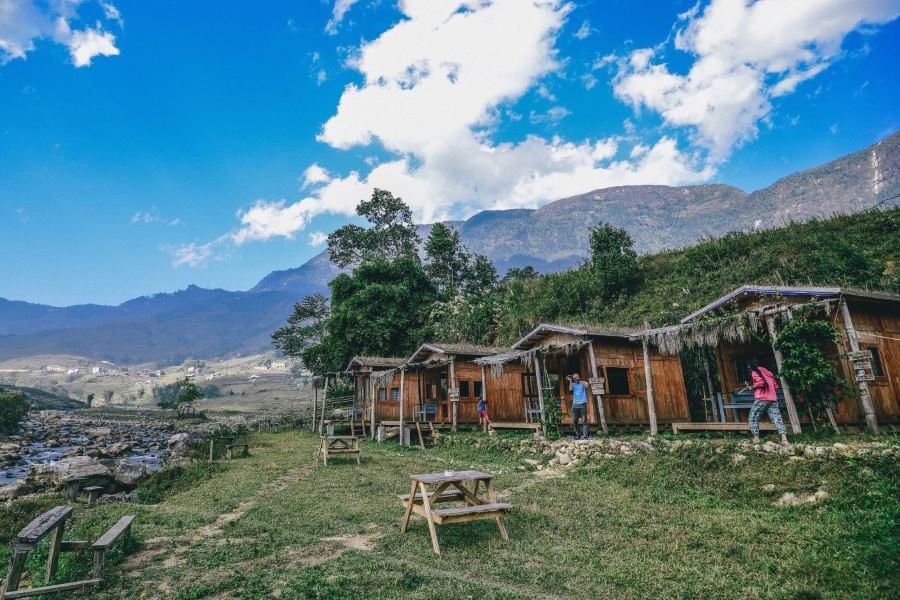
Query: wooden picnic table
{"x": 339, "y": 444}
{"x": 450, "y": 487}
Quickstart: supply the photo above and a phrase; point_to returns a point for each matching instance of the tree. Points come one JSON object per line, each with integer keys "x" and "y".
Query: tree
{"x": 305, "y": 327}
{"x": 13, "y": 408}
{"x": 380, "y": 308}
{"x": 445, "y": 258}
{"x": 614, "y": 261}
{"x": 480, "y": 275}
{"x": 107, "y": 396}
{"x": 806, "y": 366}
{"x": 89, "y": 400}
{"x": 179, "y": 396}
{"x": 391, "y": 235}
{"x": 525, "y": 273}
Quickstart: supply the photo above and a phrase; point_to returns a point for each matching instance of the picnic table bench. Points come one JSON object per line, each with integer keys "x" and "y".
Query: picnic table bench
{"x": 339, "y": 445}
{"x": 93, "y": 492}
{"x": 230, "y": 450}
{"x": 53, "y": 523}
{"x": 450, "y": 487}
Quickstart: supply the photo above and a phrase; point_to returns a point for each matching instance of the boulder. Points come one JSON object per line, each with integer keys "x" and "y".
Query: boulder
{"x": 96, "y": 432}
{"x": 14, "y": 490}
{"x": 129, "y": 472}
{"x": 179, "y": 443}
{"x": 118, "y": 449}
{"x": 737, "y": 458}
{"x": 70, "y": 469}
{"x": 768, "y": 488}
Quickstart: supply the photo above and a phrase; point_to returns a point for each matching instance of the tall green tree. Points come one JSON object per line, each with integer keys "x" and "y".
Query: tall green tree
{"x": 445, "y": 258}
{"x": 614, "y": 261}
{"x": 391, "y": 234}
{"x": 381, "y": 308}
{"x": 305, "y": 327}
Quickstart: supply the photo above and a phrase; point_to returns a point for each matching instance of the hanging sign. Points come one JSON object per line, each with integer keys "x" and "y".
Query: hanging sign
{"x": 598, "y": 385}
{"x": 862, "y": 365}
{"x": 862, "y": 355}
{"x": 453, "y": 393}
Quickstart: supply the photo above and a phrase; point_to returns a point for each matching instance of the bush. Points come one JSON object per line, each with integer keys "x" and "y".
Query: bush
{"x": 13, "y": 408}
{"x": 172, "y": 480}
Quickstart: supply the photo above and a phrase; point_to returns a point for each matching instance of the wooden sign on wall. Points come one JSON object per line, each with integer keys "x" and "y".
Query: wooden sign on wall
{"x": 598, "y": 385}
{"x": 453, "y": 394}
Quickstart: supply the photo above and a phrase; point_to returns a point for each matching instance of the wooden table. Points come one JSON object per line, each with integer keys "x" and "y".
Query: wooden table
{"x": 450, "y": 487}
{"x": 339, "y": 444}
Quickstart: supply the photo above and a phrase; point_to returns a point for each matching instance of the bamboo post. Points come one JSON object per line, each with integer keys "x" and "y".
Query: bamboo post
{"x": 372, "y": 401}
{"x": 709, "y": 385}
{"x": 793, "y": 417}
{"x": 540, "y": 390}
{"x": 402, "y": 401}
{"x": 601, "y": 413}
{"x": 312, "y": 421}
{"x": 864, "y": 396}
{"x": 483, "y": 394}
{"x": 648, "y": 376}
{"x": 453, "y": 402}
{"x": 324, "y": 402}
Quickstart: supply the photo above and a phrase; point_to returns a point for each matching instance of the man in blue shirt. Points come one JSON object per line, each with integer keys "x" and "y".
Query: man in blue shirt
{"x": 579, "y": 404}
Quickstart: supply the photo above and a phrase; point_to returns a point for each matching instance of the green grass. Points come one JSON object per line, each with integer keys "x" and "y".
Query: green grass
{"x": 683, "y": 525}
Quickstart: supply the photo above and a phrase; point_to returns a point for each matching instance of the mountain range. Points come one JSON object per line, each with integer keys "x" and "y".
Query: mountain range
{"x": 166, "y": 328}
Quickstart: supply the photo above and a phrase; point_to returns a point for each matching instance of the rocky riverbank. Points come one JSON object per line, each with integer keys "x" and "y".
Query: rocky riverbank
{"x": 57, "y": 447}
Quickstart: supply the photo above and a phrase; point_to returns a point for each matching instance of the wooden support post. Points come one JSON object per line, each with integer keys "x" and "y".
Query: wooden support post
{"x": 793, "y": 417}
{"x": 402, "y": 400}
{"x": 484, "y": 426}
{"x": 53, "y": 556}
{"x": 372, "y": 401}
{"x": 648, "y": 376}
{"x": 709, "y": 385}
{"x": 324, "y": 402}
{"x": 16, "y": 566}
{"x": 864, "y": 396}
{"x": 212, "y": 442}
{"x": 315, "y": 410}
{"x": 453, "y": 384}
{"x": 601, "y": 413}
{"x": 538, "y": 359}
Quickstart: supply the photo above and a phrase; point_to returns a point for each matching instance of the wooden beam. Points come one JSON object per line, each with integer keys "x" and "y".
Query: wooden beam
{"x": 402, "y": 401}
{"x": 324, "y": 402}
{"x": 793, "y": 417}
{"x": 648, "y": 376}
{"x": 312, "y": 422}
{"x": 601, "y": 413}
{"x": 864, "y": 396}
{"x": 373, "y": 398}
{"x": 538, "y": 359}
{"x": 709, "y": 384}
{"x": 453, "y": 384}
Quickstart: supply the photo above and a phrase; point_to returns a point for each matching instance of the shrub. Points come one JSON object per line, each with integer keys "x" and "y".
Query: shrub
{"x": 13, "y": 408}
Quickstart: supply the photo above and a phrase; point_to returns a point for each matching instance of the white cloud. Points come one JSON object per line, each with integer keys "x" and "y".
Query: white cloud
{"x": 317, "y": 238}
{"x": 584, "y": 31}
{"x": 746, "y": 53}
{"x": 24, "y": 21}
{"x": 22, "y": 214}
{"x": 314, "y": 175}
{"x": 433, "y": 87}
{"x": 338, "y": 11}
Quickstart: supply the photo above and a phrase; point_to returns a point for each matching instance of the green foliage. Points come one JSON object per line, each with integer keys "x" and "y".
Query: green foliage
{"x": 210, "y": 391}
{"x": 806, "y": 366}
{"x": 90, "y": 399}
{"x": 340, "y": 388}
{"x": 614, "y": 261}
{"x": 107, "y": 396}
{"x": 553, "y": 417}
{"x": 445, "y": 258}
{"x": 391, "y": 235}
{"x": 380, "y": 308}
{"x": 520, "y": 274}
{"x": 13, "y": 408}
{"x": 305, "y": 327}
{"x": 179, "y": 396}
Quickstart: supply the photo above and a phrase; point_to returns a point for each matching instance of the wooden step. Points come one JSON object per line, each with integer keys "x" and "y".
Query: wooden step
{"x": 678, "y": 427}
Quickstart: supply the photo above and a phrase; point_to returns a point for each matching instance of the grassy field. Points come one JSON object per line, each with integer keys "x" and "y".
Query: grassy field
{"x": 687, "y": 524}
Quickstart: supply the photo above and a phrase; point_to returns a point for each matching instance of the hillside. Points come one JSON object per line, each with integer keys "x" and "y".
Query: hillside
{"x": 166, "y": 328}
{"x": 41, "y": 400}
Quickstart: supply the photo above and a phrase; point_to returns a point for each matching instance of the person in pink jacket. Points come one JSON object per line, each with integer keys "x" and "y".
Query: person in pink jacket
{"x": 765, "y": 394}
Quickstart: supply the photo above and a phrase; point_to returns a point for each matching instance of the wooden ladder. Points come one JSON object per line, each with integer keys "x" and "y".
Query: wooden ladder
{"x": 361, "y": 432}
{"x": 421, "y": 432}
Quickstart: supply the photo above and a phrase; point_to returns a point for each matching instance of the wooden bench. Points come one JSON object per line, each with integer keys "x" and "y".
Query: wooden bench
{"x": 93, "y": 492}
{"x": 461, "y": 514}
{"x": 230, "y": 450}
{"x": 446, "y": 496}
{"x": 515, "y": 425}
{"x": 53, "y": 523}
{"x": 339, "y": 445}
{"x": 679, "y": 427}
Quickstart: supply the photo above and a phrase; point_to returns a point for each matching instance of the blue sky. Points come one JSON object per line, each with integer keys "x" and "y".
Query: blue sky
{"x": 145, "y": 146}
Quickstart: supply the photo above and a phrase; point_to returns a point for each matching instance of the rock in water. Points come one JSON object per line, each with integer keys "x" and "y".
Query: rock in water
{"x": 70, "y": 469}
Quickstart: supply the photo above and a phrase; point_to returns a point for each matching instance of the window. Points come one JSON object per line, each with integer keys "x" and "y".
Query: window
{"x": 877, "y": 371}
{"x": 478, "y": 389}
{"x": 395, "y": 394}
{"x": 382, "y": 394}
{"x": 463, "y": 389}
{"x": 617, "y": 381}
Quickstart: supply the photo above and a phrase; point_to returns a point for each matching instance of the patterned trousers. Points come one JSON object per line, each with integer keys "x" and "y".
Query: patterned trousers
{"x": 756, "y": 411}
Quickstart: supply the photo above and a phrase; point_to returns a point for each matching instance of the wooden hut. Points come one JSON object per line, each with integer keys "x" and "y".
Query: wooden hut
{"x": 867, "y": 353}
{"x": 614, "y": 362}
{"x": 377, "y": 387}
{"x": 448, "y": 383}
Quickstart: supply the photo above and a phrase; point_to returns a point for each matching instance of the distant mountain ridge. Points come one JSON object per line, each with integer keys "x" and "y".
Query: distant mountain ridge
{"x": 197, "y": 322}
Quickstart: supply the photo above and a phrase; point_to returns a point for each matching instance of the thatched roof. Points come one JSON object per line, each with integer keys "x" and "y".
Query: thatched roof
{"x": 384, "y": 362}
{"x": 456, "y": 349}
{"x": 545, "y": 330}
{"x": 789, "y": 292}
